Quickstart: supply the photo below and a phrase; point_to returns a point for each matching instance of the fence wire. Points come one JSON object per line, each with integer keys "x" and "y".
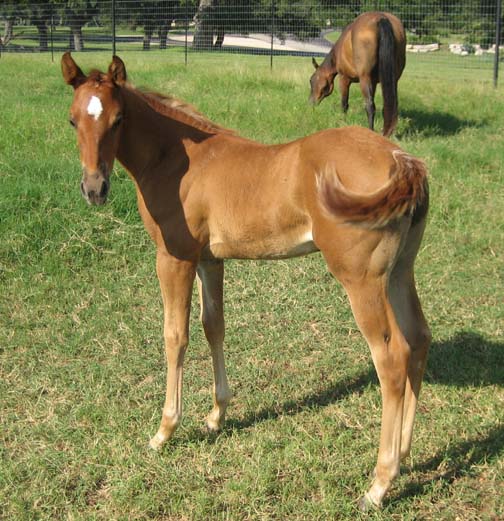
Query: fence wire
{"x": 441, "y": 34}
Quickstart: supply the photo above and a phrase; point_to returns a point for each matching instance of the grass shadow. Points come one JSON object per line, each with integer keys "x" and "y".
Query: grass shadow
{"x": 462, "y": 459}
{"x": 466, "y": 359}
{"x": 427, "y": 123}
{"x": 313, "y": 400}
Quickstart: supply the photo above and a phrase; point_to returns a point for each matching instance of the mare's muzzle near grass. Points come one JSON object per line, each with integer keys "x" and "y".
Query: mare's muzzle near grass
{"x": 205, "y": 194}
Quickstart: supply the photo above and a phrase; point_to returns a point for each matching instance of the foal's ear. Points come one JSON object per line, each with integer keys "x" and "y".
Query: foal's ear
{"x": 315, "y": 64}
{"x": 72, "y": 73}
{"x": 117, "y": 71}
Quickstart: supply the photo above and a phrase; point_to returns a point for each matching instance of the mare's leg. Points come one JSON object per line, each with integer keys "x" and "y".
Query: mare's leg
{"x": 368, "y": 88}
{"x": 390, "y": 352}
{"x": 176, "y": 280}
{"x": 414, "y": 327}
{"x": 344, "y": 83}
{"x": 210, "y": 286}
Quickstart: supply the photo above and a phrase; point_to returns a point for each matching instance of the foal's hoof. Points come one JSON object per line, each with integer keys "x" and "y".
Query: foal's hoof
{"x": 156, "y": 442}
{"x": 213, "y": 427}
{"x": 366, "y": 504}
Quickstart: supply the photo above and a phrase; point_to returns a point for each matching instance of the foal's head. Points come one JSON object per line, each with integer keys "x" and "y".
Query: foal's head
{"x": 321, "y": 83}
{"x": 96, "y": 114}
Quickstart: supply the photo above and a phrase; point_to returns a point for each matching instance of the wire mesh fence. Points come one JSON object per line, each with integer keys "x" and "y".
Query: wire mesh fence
{"x": 442, "y": 35}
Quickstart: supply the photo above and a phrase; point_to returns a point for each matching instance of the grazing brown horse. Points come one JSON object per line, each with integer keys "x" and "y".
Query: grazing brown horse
{"x": 206, "y": 194}
{"x": 371, "y": 49}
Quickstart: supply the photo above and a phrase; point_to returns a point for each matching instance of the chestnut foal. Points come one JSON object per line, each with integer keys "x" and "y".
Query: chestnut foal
{"x": 206, "y": 194}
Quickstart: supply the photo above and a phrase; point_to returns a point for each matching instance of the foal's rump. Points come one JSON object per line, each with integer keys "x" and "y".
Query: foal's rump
{"x": 365, "y": 179}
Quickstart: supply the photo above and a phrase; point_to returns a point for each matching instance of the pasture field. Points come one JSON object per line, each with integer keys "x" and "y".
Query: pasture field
{"x": 82, "y": 370}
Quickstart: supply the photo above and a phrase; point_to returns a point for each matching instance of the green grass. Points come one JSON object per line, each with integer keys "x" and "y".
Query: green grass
{"x": 81, "y": 358}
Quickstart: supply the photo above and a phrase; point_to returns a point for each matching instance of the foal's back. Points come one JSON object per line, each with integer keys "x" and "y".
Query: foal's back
{"x": 261, "y": 201}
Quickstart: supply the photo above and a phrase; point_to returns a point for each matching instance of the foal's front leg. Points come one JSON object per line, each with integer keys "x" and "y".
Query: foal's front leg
{"x": 176, "y": 280}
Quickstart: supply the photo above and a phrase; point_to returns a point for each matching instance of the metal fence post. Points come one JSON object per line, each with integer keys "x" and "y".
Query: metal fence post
{"x": 272, "y": 31}
{"x": 186, "y": 30}
{"x": 498, "y": 25}
{"x": 52, "y": 39}
{"x": 113, "y": 29}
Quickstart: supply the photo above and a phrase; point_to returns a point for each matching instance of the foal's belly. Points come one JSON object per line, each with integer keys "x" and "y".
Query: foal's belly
{"x": 266, "y": 246}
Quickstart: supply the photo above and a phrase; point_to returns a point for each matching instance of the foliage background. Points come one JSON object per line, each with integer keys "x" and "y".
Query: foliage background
{"x": 427, "y": 21}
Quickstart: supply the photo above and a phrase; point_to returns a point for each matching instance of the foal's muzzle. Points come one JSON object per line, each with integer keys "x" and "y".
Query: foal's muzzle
{"x": 95, "y": 190}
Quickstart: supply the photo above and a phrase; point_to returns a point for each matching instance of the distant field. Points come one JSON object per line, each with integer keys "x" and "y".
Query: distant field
{"x": 130, "y": 40}
{"x": 82, "y": 373}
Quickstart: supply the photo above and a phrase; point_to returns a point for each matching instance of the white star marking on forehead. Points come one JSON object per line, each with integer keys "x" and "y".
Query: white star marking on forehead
{"x": 95, "y": 107}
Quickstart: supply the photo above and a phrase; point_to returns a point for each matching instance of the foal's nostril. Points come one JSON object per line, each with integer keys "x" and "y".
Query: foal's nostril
{"x": 82, "y": 189}
{"x": 104, "y": 189}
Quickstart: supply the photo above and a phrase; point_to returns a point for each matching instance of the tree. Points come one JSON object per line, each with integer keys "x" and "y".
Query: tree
{"x": 40, "y": 13}
{"x": 203, "y": 25}
{"x": 10, "y": 10}
{"x": 153, "y": 16}
{"x": 157, "y": 16}
{"x": 76, "y": 13}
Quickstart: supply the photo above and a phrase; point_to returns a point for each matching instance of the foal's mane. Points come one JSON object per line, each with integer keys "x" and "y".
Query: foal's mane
{"x": 177, "y": 109}
{"x": 168, "y": 106}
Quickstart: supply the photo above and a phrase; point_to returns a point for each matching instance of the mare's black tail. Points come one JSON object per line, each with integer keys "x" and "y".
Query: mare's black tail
{"x": 387, "y": 74}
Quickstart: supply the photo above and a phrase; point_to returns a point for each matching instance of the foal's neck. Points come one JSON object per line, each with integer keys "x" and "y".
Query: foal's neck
{"x": 149, "y": 138}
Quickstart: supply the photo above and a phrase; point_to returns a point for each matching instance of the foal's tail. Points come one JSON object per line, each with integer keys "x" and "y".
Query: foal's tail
{"x": 406, "y": 193}
{"x": 387, "y": 74}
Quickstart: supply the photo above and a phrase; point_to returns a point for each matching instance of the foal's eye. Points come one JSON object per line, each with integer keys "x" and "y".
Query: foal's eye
{"x": 117, "y": 121}
{"x": 72, "y": 122}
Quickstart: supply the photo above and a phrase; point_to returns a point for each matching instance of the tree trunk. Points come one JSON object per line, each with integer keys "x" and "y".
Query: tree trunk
{"x": 43, "y": 36}
{"x": 8, "y": 33}
{"x": 203, "y": 29}
{"x": 78, "y": 41}
{"x": 163, "y": 36}
{"x": 220, "y": 38}
{"x": 148, "y": 30}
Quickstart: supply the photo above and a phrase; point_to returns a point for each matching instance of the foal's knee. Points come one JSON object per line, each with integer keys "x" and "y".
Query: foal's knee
{"x": 175, "y": 346}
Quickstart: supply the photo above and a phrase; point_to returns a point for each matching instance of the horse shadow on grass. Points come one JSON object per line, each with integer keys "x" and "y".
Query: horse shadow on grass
{"x": 428, "y": 123}
{"x": 466, "y": 359}
{"x": 460, "y": 459}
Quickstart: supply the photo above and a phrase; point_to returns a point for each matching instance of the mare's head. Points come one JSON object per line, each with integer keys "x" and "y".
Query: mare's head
{"x": 96, "y": 114}
{"x": 321, "y": 83}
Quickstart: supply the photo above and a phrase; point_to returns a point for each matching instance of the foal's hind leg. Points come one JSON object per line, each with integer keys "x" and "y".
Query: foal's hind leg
{"x": 368, "y": 88}
{"x": 412, "y": 323}
{"x": 210, "y": 286}
{"x": 414, "y": 326}
{"x": 390, "y": 352}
